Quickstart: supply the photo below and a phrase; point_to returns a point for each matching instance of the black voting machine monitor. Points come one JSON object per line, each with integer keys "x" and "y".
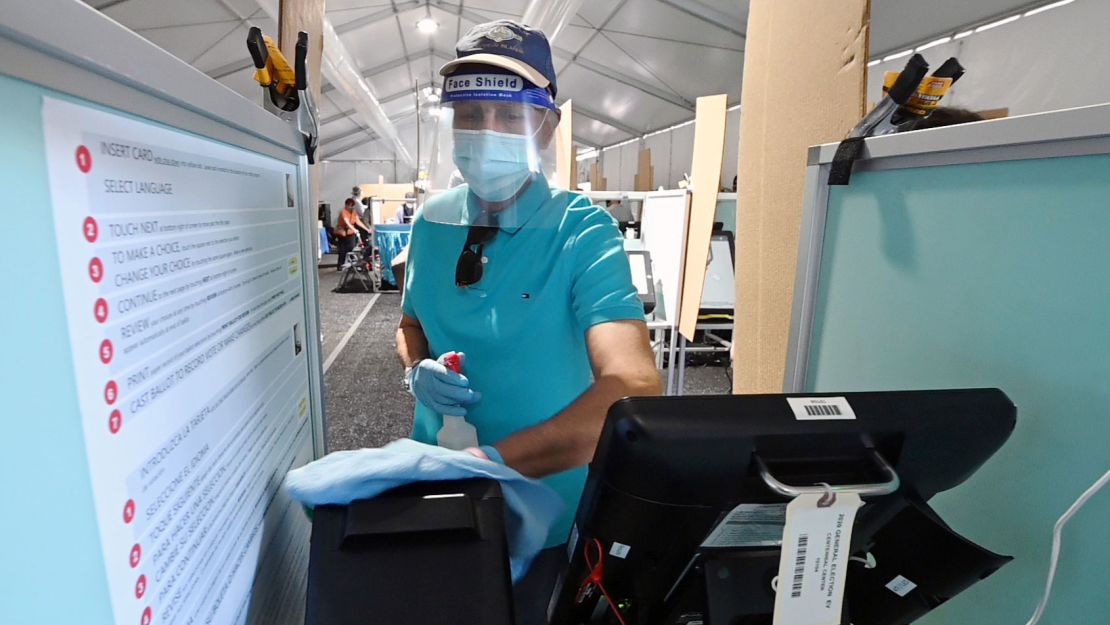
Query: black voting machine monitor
{"x": 668, "y": 469}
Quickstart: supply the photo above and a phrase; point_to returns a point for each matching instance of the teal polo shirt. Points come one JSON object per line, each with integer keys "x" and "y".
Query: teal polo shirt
{"x": 557, "y": 269}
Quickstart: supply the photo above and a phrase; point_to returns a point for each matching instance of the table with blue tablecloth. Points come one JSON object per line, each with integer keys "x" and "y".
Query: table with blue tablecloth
{"x": 390, "y": 239}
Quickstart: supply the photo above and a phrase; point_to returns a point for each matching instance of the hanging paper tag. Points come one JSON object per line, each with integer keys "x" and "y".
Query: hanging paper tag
{"x": 815, "y": 544}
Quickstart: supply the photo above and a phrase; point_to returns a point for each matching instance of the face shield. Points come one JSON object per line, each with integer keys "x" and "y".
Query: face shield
{"x": 495, "y": 131}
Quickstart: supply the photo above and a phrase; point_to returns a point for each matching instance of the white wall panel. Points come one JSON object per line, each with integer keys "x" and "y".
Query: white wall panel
{"x": 1048, "y": 61}
{"x": 732, "y": 146}
{"x": 682, "y": 152}
{"x": 336, "y": 180}
{"x": 611, "y": 168}
{"x": 630, "y": 162}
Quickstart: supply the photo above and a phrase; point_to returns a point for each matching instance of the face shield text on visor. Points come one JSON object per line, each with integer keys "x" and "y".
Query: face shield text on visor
{"x": 496, "y": 131}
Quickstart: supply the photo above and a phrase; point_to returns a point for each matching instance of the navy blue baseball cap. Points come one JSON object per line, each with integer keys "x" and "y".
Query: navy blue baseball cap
{"x": 508, "y": 45}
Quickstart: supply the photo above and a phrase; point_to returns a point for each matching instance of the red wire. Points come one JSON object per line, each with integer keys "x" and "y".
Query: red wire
{"x": 597, "y": 570}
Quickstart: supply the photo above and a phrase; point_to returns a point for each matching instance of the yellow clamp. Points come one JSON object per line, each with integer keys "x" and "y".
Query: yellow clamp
{"x": 277, "y": 72}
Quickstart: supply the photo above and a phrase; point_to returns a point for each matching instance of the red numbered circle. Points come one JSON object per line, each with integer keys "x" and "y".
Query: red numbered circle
{"x": 100, "y": 310}
{"x": 111, "y": 392}
{"x": 136, "y": 555}
{"x": 128, "y": 516}
{"x": 140, "y": 587}
{"x": 91, "y": 230}
{"x": 106, "y": 351}
{"x": 96, "y": 270}
{"x": 147, "y": 616}
{"x": 84, "y": 159}
{"x": 115, "y": 421}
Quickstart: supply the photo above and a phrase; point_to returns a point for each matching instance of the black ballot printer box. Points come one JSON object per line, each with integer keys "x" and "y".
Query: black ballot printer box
{"x": 430, "y": 553}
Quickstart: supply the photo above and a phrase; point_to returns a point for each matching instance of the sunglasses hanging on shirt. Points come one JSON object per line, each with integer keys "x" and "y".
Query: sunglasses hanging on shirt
{"x": 469, "y": 269}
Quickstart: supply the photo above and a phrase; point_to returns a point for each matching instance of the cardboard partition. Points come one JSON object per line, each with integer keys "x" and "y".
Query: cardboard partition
{"x": 644, "y": 180}
{"x": 597, "y": 181}
{"x": 995, "y": 113}
{"x": 305, "y": 15}
{"x": 709, "y": 148}
{"x": 793, "y": 96}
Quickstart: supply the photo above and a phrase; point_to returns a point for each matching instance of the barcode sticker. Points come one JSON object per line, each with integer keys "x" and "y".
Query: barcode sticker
{"x": 820, "y": 408}
{"x": 799, "y": 566}
{"x": 814, "y": 560}
{"x": 619, "y": 550}
{"x": 900, "y": 586}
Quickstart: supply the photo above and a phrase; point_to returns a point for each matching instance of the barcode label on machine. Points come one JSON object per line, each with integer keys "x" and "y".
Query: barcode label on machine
{"x": 799, "y": 566}
{"x": 816, "y": 408}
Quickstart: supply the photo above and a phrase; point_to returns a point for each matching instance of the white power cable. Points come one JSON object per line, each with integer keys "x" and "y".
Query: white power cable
{"x": 1056, "y": 532}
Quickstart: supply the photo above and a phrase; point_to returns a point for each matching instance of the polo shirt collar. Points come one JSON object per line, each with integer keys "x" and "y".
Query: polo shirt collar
{"x": 522, "y": 210}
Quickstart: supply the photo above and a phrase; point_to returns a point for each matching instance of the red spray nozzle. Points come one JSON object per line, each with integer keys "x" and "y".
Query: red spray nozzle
{"x": 453, "y": 362}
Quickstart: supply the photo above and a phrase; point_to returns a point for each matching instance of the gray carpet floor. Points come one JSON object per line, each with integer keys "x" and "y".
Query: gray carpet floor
{"x": 364, "y": 402}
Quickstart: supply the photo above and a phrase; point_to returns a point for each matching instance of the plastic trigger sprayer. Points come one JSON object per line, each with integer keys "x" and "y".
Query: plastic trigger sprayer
{"x": 456, "y": 433}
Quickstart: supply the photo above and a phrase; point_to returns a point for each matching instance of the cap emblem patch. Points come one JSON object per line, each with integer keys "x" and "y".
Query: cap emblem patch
{"x": 500, "y": 34}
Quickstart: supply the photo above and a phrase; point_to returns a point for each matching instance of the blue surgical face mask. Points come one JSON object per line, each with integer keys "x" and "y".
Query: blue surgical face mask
{"x": 494, "y": 164}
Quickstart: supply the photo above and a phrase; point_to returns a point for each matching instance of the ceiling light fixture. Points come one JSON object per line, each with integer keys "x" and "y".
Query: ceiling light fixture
{"x": 898, "y": 55}
{"x": 1012, "y": 18}
{"x": 427, "y": 25}
{"x": 1048, "y": 7}
{"x": 431, "y": 94}
{"x": 933, "y": 44}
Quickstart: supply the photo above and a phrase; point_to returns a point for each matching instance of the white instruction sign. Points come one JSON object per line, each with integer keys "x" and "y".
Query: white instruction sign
{"x": 814, "y": 562}
{"x": 182, "y": 273}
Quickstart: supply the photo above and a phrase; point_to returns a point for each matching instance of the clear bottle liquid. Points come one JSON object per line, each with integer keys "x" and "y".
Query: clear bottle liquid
{"x": 456, "y": 432}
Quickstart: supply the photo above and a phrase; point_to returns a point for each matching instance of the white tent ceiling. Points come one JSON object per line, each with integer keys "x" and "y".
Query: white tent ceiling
{"x": 631, "y": 66}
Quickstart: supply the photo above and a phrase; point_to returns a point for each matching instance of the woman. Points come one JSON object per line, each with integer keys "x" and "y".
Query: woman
{"x": 346, "y": 231}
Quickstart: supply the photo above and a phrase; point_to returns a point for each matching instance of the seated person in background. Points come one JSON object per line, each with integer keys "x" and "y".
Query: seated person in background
{"x": 406, "y": 211}
{"x": 347, "y": 227}
{"x": 619, "y": 210}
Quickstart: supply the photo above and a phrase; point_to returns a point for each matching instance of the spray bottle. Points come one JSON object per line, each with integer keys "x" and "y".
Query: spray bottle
{"x": 456, "y": 433}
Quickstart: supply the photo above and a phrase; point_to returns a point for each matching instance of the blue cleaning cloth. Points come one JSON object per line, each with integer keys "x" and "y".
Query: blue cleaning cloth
{"x": 531, "y": 507}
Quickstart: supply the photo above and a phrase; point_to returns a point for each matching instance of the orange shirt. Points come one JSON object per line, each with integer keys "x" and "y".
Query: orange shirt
{"x": 345, "y": 225}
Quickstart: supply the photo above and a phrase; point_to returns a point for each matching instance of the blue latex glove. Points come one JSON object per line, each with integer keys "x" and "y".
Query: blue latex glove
{"x": 439, "y": 388}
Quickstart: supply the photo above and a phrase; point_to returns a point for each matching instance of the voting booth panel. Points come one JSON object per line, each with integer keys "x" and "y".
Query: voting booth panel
{"x": 974, "y": 256}
{"x": 162, "y": 333}
{"x": 665, "y": 218}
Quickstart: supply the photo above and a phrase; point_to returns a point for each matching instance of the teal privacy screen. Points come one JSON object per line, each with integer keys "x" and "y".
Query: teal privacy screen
{"x": 988, "y": 275}
{"x": 167, "y": 511}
